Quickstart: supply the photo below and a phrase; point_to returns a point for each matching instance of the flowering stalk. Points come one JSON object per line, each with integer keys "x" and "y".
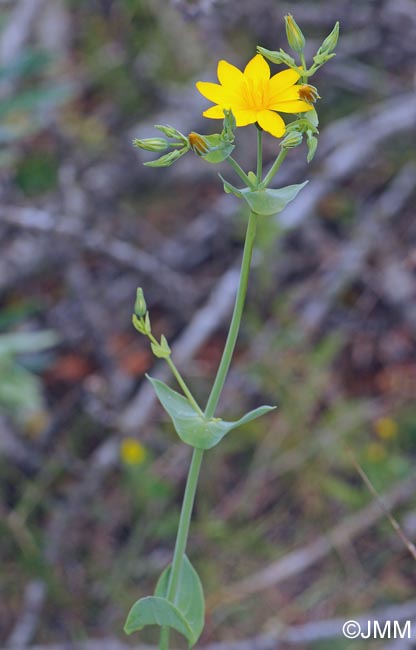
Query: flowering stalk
{"x": 241, "y": 98}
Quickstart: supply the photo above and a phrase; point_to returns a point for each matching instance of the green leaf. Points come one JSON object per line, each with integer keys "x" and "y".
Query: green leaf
{"x": 191, "y": 427}
{"x": 268, "y": 202}
{"x": 190, "y": 596}
{"x": 230, "y": 189}
{"x": 154, "y": 610}
{"x": 23, "y": 342}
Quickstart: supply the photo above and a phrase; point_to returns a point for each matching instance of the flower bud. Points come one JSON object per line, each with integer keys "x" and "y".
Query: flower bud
{"x": 320, "y": 59}
{"x": 229, "y": 126}
{"x": 308, "y": 93}
{"x": 198, "y": 143}
{"x": 140, "y": 307}
{"x": 312, "y": 143}
{"x": 293, "y": 139}
{"x": 171, "y": 132}
{"x": 277, "y": 57}
{"x": 295, "y": 38}
{"x": 213, "y": 148}
{"x": 151, "y": 144}
{"x": 147, "y": 325}
{"x": 168, "y": 159}
{"x": 331, "y": 41}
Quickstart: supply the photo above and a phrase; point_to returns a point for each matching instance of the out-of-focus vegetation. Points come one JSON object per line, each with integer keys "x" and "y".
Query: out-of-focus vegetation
{"x": 329, "y": 333}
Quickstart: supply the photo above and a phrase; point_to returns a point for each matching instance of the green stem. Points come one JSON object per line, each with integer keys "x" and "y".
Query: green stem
{"x": 239, "y": 171}
{"x": 179, "y": 379}
{"x": 182, "y": 536}
{"x": 269, "y": 176}
{"x": 235, "y": 321}
{"x": 193, "y": 474}
{"x": 184, "y": 387}
{"x": 303, "y": 61}
{"x": 259, "y": 153}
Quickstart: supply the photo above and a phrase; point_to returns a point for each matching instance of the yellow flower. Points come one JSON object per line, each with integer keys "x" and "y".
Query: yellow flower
{"x": 132, "y": 452}
{"x": 386, "y": 428}
{"x": 254, "y": 96}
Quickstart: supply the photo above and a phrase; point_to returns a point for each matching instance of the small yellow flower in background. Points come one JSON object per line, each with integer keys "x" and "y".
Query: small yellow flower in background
{"x": 254, "y": 96}
{"x": 386, "y": 428}
{"x": 132, "y": 452}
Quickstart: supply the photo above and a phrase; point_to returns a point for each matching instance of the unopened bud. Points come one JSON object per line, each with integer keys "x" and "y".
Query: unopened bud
{"x": 331, "y": 41}
{"x": 170, "y": 132}
{"x": 293, "y": 139}
{"x": 229, "y": 126}
{"x": 140, "y": 307}
{"x": 168, "y": 159}
{"x": 308, "y": 93}
{"x": 151, "y": 144}
{"x": 320, "y": 59}
{"x": 295, "y": 38}
{"x": 277, "y": 57}
{"x": 199, "y": 144}
{"x": 147, "y": 325}
{"x": 312, "y": 143}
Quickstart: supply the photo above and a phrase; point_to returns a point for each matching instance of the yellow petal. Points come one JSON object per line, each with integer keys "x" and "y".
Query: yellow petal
{"x": 282, "y": 81}
{"x": 213, "y": 92}
{"x": 290, "y": 94}
{"x": 244, "y": 117}
{"x": 215, "y": 113}
{"x": 229, "y": 76}
{"x": 291, "y": 107}
{"x": 271, "y": 122}
{"x": 257, "y": 68}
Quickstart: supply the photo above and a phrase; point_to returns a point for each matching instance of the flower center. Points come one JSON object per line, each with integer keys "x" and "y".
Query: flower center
{"x": 255, "y": 94}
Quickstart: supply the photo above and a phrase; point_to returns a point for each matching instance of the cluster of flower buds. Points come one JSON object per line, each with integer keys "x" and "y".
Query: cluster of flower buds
{"x": 296, "y": 42}
{"x": 178, "y": 143}
{"x": 141, "y": 322}
{"x": 141, "y": 318}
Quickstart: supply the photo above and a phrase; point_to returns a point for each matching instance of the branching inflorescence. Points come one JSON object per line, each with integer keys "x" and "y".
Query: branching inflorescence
{"x": 240, "y": 98}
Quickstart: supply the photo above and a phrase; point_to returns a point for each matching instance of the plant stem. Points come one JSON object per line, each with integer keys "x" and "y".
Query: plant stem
{"x": 182, "y": 536}
{"x": 239, "y": 171}
{"x": 184, "y": 387}
{"x": 179, "y": 379}
{"x": 236, "y": 319}
{"x": 259, "y": 153}
{"x": 303, "y": 61}
{"x": 192, "y": 481}
{"x": 269, "y": 176}
{"x": 193, "y": 474}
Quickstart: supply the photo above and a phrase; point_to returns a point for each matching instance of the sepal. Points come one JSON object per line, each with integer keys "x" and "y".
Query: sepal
{"x": 161, "y": 350}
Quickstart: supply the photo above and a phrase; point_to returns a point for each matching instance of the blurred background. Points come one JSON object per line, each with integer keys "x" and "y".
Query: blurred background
{"x": 287, "y": 536}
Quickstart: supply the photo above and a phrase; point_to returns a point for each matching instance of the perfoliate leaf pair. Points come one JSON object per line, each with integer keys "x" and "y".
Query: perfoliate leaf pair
{"x": 186, "y": 614}
{"x": 265, "y": 202}
{"x": 191, "y": 427}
